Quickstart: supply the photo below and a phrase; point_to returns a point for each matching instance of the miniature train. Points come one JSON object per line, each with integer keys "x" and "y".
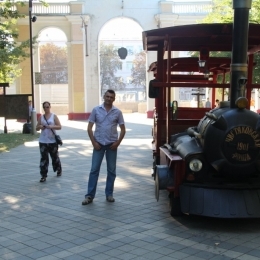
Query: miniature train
{"x": 210, "y": 163}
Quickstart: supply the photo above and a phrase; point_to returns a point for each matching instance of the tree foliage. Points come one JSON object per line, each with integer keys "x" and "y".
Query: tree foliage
{"x": 139, "y": 69}
{"x": 222, "y": 12}
{"x": 11, "y": 52}
{"x": 110, "y": 63}
{"x": 53, "y": 62}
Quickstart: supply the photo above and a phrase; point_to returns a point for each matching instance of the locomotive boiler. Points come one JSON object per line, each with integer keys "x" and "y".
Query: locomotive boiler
{"x": 209, "y": 164}
{"x": 222, "y": 163}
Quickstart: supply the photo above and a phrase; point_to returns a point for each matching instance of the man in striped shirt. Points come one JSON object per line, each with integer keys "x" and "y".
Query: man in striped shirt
{"x": 105, "y": 141}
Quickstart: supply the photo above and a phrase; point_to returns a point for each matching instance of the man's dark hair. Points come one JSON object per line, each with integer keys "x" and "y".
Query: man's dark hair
{"x": 111, "y": 91}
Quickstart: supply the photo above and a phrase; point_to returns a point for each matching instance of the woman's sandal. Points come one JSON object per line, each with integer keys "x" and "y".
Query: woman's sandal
{"x": 43, "y": 179}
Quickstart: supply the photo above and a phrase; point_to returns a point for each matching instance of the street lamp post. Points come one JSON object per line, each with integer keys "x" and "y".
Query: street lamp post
{"x": 33, "y": 113}
{"x": 31, "y": 51}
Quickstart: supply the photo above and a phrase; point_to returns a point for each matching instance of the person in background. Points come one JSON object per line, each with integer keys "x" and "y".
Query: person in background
{"x": 217, "y": 103}
{"x": 47, "y": 143}
{"x": 193, "y": 102}
{"x": 30, "y": 111}
{"x": 208, "y": 103}
{"x": 105, "y": 141}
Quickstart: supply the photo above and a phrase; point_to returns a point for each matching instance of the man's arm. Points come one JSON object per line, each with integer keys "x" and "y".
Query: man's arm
{"x": 121, "y": 136}
{"x": 91, "y": 136}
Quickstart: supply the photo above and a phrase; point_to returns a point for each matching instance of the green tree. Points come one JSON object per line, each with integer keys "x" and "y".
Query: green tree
{"x": 54, "y": 63}
{"x": 139, "y": 70}
{"x": 110, "y": 63}
{"x": 11, "y": 52}
{"x": 222, "y": 12}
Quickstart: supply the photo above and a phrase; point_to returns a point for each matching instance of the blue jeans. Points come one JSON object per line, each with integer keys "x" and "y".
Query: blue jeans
{"x": 97, "y": 158}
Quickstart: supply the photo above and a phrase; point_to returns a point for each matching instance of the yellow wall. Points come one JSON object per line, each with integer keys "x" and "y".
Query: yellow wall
{"x": 76, "y": 8}
{"x": 78, "y": 77}
{"x": 24, "y": 33}
{"x": 25, "y": 79}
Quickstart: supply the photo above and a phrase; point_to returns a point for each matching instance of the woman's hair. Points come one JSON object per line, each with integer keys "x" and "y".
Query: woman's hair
{"x": 46, "y": 102}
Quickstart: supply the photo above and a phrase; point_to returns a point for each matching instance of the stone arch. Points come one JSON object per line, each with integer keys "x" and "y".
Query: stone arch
{"x": 53, "y": 27}
{"x": 114, "y": 19}
{"x": 54, "y": 76}
{"x": 82, "y": 22}
{"x": 127, "y": 33}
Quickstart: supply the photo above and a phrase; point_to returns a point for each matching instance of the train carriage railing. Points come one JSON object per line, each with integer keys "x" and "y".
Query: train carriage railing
{"x": 213, "y": 168}
{"x": 214, "y": 37}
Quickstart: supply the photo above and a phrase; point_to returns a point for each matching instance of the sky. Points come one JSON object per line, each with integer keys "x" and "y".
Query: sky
{"x": 116, "y": 29}
{"x": 52, "y": 35}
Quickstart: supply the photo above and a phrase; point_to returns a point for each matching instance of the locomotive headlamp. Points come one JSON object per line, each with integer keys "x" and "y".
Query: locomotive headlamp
{"x": 195, "y": 165}
{"x": 242, "y": 102}
{"x": 242, "y": 81}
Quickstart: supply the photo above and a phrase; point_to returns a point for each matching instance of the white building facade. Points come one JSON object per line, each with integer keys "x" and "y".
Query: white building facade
{"x": 82, "y": 22}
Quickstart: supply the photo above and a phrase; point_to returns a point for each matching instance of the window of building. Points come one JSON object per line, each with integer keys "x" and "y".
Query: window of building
{"x": 130, "y": 50}
{"x": 129, "y": 65}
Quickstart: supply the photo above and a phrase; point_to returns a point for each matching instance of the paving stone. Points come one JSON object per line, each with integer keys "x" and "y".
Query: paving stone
{"x": 47, "y": 221}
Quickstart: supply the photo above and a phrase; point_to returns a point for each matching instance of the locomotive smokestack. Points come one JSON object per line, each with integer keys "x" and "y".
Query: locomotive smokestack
{"x": 238, "y": 67}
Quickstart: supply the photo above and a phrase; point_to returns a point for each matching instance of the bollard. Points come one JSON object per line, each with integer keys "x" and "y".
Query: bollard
{"x": 33, "y": 122}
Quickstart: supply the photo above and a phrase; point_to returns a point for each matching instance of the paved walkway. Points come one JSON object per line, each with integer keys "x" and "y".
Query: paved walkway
{"x": 46, "y": 221}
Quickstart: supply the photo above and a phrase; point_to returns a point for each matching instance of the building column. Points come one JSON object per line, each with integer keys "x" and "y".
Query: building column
{"x": 37, "y": 86}
{"x": 76, "y": 70}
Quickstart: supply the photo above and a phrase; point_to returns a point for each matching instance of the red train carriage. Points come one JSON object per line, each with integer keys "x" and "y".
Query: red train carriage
{"x": 207, "y": 159}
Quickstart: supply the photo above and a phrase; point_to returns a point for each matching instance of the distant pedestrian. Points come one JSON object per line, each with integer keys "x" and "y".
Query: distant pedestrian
{"x": 48, "y": 123}
{"x": 208, "y": 103}
{"x": 193, "y": 102}
{"x": 30, "y": 111}
{"x": 105, "y": 141}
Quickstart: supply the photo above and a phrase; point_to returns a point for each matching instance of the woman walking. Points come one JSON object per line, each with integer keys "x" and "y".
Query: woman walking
{"x": 48, "y": 123}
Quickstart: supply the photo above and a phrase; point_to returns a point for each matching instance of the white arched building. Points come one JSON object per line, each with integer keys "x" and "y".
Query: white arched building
{"x": 82, "y": 22}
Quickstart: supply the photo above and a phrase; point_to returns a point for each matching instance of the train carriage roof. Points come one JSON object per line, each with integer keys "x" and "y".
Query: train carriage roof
{"x": 189, "y": 64}
{"x": 217, "y": 37}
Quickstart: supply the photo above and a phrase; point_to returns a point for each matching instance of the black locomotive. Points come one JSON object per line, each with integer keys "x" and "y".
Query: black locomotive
{"x": 222, "y": 163}
{"x": 210, "y": 166}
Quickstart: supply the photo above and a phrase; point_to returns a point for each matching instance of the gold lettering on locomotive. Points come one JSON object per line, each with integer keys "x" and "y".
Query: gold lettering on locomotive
{"x": 242, "y": 146}
{"x": 237, "y": 130}
{"x": 241, "y": 157}
{"x": 257, "y": 144}
{"x": 241, "y": 143}
{"x": 243, "y": 130}
{"x": 230, "y": 136}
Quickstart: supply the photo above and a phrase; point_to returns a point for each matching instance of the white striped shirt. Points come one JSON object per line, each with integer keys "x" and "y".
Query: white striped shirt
{"x": 106, "y": 124}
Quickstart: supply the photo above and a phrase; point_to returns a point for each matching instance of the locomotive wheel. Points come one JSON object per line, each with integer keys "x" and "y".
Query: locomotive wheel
{"x": 156, "y": 161}
{"x": 174, "y": 205}
{"x": 156, "y": 186}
